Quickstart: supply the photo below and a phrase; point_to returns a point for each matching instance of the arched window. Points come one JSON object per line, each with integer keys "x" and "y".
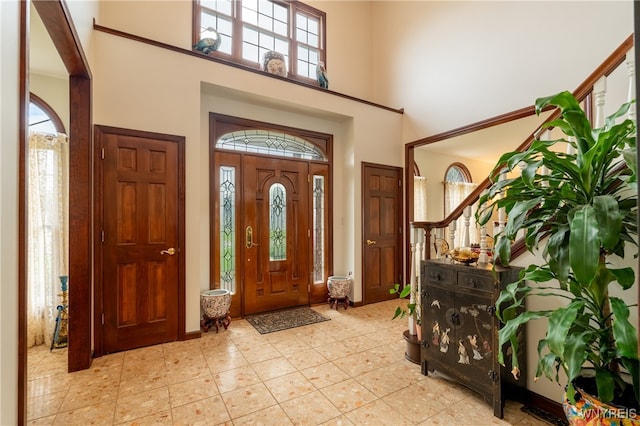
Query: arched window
{"x": 42, "y": 117}
{"x": 457, "y": 172}
{"x": 457, "y": 186}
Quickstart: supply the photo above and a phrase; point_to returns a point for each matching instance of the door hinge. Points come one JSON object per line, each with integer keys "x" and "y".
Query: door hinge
{"x": 103, "y": 318}
{"x": 309, "y": 178}
{"x": 399, "y": 183}
{"x": 102, "y": 153}
{"x": 308, "y": 233}
{"x": 102, "y": 236}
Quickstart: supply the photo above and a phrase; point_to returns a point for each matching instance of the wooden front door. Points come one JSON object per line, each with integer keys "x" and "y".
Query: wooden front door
{"x": 275, "y": 235}
{"x": 141, "y": 281}
{"x": 381, "y": 231}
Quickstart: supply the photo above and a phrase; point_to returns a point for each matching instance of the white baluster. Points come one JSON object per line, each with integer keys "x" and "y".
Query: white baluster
{"x": 421, "y": 247}
{"x": 433, "y": 249}
{"x": 412, "y": 279}
{"x": 600, "y": 91}
{"x": 438, "y": 239}
{"x": 500, "y": 224}
{"x": 484, "y": 247}
{"x": 452, "y": 234}
{"x": 502, "y": 214}
{"x": 420, "y": 257}
{"x": 570, "y": 149}
{"x": 631, "y": 72}
{"x": 467, "y": 221}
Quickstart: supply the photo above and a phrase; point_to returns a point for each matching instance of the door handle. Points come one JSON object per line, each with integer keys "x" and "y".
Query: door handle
{"x": 170, "y": 251}
{"x": 248, "y": 232}
{"x": 370, "y": 242}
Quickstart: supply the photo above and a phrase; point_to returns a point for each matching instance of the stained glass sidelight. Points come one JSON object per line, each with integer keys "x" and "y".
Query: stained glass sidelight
{"x": 318, "y": 228}
{"x": 277, "y": 222}
{"x": 228, "y": 228}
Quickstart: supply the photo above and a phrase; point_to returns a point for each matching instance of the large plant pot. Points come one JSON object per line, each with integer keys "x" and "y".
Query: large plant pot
{"x": 412, "y": 352}
{"x": 215, "y": 306}
{"x": 589, "y": 411}
{"x": 338, "y": 290}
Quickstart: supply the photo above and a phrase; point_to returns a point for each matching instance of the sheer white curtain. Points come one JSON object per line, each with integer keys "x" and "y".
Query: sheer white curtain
{"x": 48, "y": 244}
{"x": 454, "y": 194}
{"x": 419, "y": 199}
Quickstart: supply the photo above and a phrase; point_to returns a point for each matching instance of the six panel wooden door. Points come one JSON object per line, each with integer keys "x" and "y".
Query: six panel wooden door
{"x": 381, "y": 231}
{"x": 140, "y": 265}
{"x": 275, "y": 234}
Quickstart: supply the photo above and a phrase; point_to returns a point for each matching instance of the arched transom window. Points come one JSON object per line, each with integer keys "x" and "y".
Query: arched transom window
{"x": 270, "y": 142}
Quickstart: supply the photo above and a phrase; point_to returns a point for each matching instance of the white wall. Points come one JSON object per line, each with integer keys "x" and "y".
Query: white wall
{"x": 349, "y": 43}
{"x": 9, "y": 131}
{"x": 454, "y": 63}
{"x": 55, "y": 92}
{"x": 141, "y": 87}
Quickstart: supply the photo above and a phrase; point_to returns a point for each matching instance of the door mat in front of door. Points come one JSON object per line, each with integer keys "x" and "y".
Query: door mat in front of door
{"x": 269, "y": 322}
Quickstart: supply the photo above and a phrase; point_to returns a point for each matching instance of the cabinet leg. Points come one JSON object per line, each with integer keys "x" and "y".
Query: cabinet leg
{"x": 498, "y": 406}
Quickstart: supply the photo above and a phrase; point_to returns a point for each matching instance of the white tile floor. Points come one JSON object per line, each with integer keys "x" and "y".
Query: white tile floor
{"x": 347, "y": 371}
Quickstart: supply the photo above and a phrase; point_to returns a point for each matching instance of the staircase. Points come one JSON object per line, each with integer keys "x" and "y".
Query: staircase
{"x": 429, "y": 240}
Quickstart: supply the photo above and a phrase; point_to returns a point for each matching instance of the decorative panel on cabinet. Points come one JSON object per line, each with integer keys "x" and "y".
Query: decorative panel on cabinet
{"x": 460, "y": 328}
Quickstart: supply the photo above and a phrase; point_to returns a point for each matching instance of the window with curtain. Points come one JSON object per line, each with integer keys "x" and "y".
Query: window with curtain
{"x": 48, "y": 223}
{"x": 457, "y": 186}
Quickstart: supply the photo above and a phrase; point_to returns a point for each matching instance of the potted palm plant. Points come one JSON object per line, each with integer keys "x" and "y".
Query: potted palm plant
{"x": 578, "y": 217}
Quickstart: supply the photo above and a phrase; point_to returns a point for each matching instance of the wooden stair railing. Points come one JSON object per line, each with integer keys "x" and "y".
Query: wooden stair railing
{"x": 584, "y": 92}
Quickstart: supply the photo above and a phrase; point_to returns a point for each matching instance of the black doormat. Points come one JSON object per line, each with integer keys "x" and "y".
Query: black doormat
{"x": 269, "y": 322}
{"x": 544, "y": 416}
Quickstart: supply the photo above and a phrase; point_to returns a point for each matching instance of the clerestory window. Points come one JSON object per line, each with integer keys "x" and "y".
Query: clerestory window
{"x": 250, "y": 31}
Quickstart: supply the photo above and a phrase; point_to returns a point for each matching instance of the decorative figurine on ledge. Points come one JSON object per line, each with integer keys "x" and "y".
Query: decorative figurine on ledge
{"x": 208, "y": 44}
{"x": 274, "y": 63}
{"x": 321, "y": 74}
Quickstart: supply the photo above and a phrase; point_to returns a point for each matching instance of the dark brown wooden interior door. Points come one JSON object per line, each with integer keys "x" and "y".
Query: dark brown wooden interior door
{"x": 140, "y": 248}
{"x": 275, "y": 234}
{"x": 381, "y": 231}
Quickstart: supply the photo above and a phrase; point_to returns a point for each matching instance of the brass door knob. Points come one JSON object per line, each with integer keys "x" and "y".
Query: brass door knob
{"x": 170, "y": 251}
{"x": 370, "y": 242}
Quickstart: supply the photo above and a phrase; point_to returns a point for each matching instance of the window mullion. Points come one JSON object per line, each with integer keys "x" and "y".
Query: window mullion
{"x": 237, "y": 31}
{"x": 293, "y": 42}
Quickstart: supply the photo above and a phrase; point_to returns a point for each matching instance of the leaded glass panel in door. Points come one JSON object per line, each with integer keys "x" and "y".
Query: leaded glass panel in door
{"x": 227, "y": 228}
{"x": 277, "y": 222}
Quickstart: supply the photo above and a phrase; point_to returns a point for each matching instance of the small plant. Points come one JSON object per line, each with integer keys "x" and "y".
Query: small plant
{"x": 412, "y": 308}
